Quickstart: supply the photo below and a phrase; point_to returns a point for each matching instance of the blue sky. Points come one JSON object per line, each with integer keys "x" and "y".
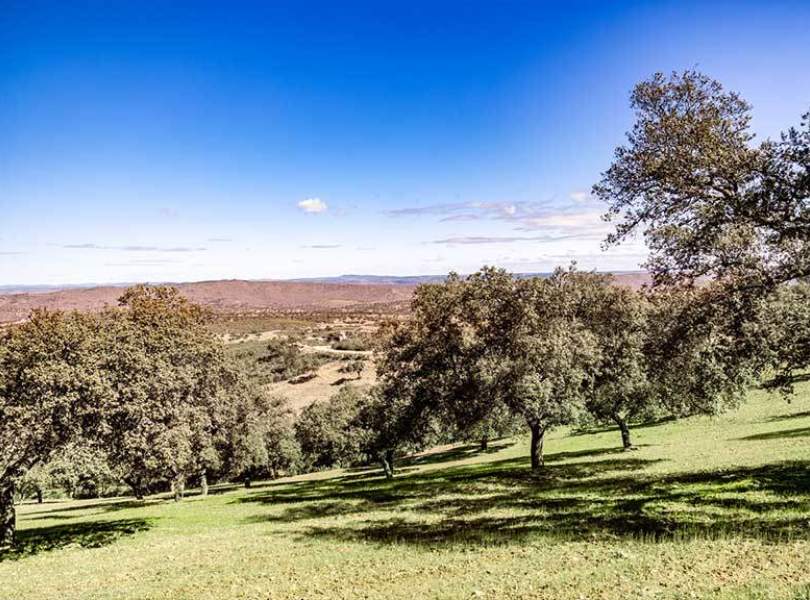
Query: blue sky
{"x": 182, "y": 141}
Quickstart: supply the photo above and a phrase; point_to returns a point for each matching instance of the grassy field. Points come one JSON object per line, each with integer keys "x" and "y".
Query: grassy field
{"x": 705, "y": 507}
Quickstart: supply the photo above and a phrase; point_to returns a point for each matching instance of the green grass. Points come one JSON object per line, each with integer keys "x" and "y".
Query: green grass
{"x": 706, "y": 508}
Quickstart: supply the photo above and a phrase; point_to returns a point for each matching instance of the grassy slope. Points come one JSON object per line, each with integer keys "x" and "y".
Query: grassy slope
{"x": 705, "y": 508}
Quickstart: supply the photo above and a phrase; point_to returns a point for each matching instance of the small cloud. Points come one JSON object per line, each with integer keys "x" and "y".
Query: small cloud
{"x": 219, "y": 240}
{"x": 313, "y": 205}
{"x": 322, "y": 246}
{"x": 580, "y": 196}
{"x": 10, "y": 253}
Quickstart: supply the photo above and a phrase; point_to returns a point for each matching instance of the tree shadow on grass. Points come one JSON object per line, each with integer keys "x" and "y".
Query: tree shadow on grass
{"x": 798, "y": 415}
{"x": 777, "y": 435}
{"x": 100, "y": 506}
{"x": 85, "y": 535}
{"x": 604, "y": 497}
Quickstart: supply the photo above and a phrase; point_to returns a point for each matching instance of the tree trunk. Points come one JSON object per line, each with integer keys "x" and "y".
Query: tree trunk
{"x": 204, "y": 483}
{"x": 387, "y": 460}
{"x": 8, "y": 520}
{"x": 178, "y": 487}
{"x": 247, "y": 482}
{"x": 39, "y": 496}
{"x": 538, "y": 436}
{"x": 626, "y": 443}
{"x": 484, "y": 442}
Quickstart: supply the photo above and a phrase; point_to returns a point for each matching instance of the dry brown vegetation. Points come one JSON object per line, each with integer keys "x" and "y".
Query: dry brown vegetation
{"x": 253, "y": 302}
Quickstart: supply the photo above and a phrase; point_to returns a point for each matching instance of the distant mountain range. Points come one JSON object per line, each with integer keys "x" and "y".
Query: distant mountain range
{"x": 236, "y": 295}
{"x": 417, "y": 279}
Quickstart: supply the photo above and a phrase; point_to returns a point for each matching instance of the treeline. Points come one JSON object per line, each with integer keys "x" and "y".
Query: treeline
{"x": 143, "y": 394}
{"x": 490, "y": 355}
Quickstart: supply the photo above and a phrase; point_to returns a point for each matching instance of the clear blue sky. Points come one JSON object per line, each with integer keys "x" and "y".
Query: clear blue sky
{"x": 166, "y": 141}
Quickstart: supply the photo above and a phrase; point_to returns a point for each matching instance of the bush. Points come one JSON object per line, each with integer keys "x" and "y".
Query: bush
{"x": 355, "y": 343}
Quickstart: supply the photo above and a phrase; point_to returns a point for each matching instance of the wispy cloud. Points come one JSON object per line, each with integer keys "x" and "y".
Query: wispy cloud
{"x": 473, "y": 240}
{"x": 87, "y": 246}
{"x": 219, "y": 240}
{"x": 466, "y": 211}
{"x": 10, "y": 253}
{"x": 144, "y": 262}
{"x": 322, "y": 246}
{"x": 461, "y": 217}
{"x": 313, "y": 206}
{"x": 578, "y": 216}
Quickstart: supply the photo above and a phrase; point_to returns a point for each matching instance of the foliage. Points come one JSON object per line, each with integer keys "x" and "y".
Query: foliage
{"x": 697, "y": 350}
{"x": 353, "y": 367}
{"x": 491, "y": 341}
{"x": 709, "y": 202}
{"x": 280, "y": 359}
{"x": 621, "y": 389}
{"x": 171, "y": 377}
{"x": 78, "y": 470}
{"x": 50, "y": 387}
{"x": 713, "y": 206}
{"x": 260, "y": 440}
{"x": 783, "y": 327}
{"x": 324, "y": 433}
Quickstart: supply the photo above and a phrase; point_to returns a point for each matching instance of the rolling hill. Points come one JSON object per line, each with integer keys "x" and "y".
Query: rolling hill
{"x": 237, "y": 295}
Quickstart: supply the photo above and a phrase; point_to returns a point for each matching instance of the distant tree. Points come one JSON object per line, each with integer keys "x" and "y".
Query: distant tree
{"x": 499, "y": 423}
{"x": 260, "y": 437}
{"x": 323, "y": 430}
{"x": 50, "y": 388}
{"x": 78, "y": 470}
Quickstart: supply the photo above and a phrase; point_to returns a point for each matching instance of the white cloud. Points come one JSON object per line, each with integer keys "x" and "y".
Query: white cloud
{"x": 579, "y": 196}
{"x": 313, "y": 205}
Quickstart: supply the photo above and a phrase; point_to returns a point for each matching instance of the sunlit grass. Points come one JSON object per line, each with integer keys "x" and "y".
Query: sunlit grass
{"x": 707, "y": 507}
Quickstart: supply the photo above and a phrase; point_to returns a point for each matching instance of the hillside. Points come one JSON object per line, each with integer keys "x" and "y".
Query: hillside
{"x": 705, "y": 508}
{"x": 235, "y": 295}
{"x": 224, "y": 296}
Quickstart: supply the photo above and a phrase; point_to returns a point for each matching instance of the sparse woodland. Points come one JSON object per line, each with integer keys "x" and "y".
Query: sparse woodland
{"x": 144, "y": 397}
